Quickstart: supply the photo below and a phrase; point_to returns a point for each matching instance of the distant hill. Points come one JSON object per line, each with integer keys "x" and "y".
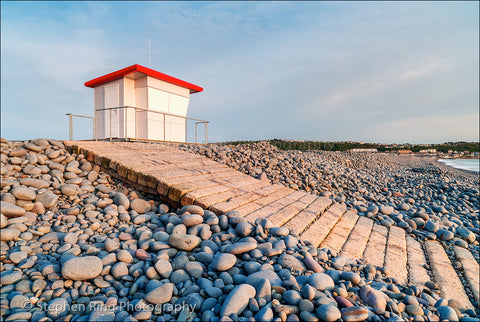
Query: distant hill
{"x": 345, "y": 146}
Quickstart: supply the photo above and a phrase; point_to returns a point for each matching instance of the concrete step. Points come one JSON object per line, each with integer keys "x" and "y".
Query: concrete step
{"x": 238, "y": 188}
{"x": 339, "y": 234}
{"x": 320, "y": 228}
{"x": 358, "y": 239}
{"x": 282, "y": 216}
{"x": 165, "y": 181}
{"x": 226, "y": 206}
{"x": 262, "y": 202}
{"x": 444, "y": 274}
{"x": 417, "y": 273}
{"x": 376, "y": 246}
{"x": 470, "y": 270}
{"x": 190, "y": 197}
{"x": 396, "y": 255}
{"x": 275, "y": 206}
{"x": 308, "y": 215}
{"x": 176, "y": 191}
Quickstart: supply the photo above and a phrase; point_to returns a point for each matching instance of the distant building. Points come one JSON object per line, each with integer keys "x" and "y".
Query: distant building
{"x": 126, "y": 101}
{"x": 428, "y": 151}
{"x": 363, "y": 150}
{"x": 404, "y": 151}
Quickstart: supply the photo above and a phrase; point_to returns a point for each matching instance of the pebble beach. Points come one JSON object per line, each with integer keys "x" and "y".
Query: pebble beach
{"x": 80, "y": 245}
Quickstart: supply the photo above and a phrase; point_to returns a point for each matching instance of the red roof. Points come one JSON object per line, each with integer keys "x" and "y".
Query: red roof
{"x": 147, "y": 71}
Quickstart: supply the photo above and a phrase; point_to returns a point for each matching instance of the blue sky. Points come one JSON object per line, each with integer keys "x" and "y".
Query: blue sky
{"x": 363, "y": 71}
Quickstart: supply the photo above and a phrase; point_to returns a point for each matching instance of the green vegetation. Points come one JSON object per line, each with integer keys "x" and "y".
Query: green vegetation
{"x": 345, "y": 146}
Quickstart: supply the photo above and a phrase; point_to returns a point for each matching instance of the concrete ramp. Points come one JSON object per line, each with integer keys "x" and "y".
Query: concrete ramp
{"x": 182, "y": 178}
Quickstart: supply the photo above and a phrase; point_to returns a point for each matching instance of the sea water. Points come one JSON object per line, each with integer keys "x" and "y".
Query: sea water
{"x": 466, "y": 164}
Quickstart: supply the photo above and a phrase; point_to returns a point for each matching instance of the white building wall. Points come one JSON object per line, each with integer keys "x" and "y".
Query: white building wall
{"x": 141, "y": 100}
{"x": 167, "y": 87}
{"x": 103, "y": 117}
{"x": 146, "y": 93}
{"x": 129, "y": 100}
{"x": 170, "y": 98}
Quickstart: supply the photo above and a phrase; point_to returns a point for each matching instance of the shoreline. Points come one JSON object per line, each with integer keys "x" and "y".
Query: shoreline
{"x": 453, "y": 168}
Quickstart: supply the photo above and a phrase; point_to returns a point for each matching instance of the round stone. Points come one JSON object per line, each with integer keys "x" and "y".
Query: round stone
{"x": 179, "y": 276}
{"x": 161, "y": 294}
{"x": 17, "y": 257}
{"x": 192, "y": 220}
{"x": 11, "y": 210}
{"x": 119, "y": 270}
{"x": 431, "y": 226}
{"x": 292, "y": 297}
{"x": 10, "y": 277}
{"x": 444, "y": 234}
{"x": 8, "y": 234}
{"x": 354, "y": 313}
{"x": 39, "y": 285}
{"x": 351, "y": 276}
{"x": 328, "y": 313}
{"x": 163, "y": 268}
{"x": 244, "y": 229}
{"x": 240, "y": 248}
{"x": 121, "y": 200}
{"x": 269, "y": 275}
{"x": 237, "y": 300}
{"x": 124, "y": 256}
{"x": 386, "y": 210}
{"x": 223, "y": 261}
{"x": 47, "y": 199}
{"x": 57, "y": 308}
{"x": 466, "y": 234}
{"x": 111, "y": 245}
{"x": 193, "y": 209}
{"x": 3, "y": 221}
{"x": 321, "y": 281}
{"x": 140, "y": 206}
{"x": 414, "y": 309}
{"x": 447, "y": 313}
{"x": 142, "y": 255}
{"x": 69, "y": 190}
{"x": 24, "y": 193}
{"x": 280, "y": 231}
{"x": 194, "y": 269}
{"x": 183, "y": 241}
{"x": 71, "y": 238}
{"x": 82, "y": 268}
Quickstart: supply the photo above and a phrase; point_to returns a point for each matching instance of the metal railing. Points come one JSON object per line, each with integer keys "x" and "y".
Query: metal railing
{"x": 137, "y": 110}
{"x": 70, "y": 125}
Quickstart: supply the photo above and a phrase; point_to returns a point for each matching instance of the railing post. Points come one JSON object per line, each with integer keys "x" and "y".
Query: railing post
{"x": 164, "y": 127}
{"x": 95, "y": 126}
{"x": 206, "y": 132}
{"x": 186, "y": 124}
{"x": 196, "y": 123}
{"x": 110, "y": 125}
{"x": 136, "y": 123}
{"x": 125, "y": 110}
{"x": 70, "y": 128}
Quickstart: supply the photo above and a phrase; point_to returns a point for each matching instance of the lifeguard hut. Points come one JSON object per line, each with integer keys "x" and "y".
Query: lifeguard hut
{"x": 137, "y": 102}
